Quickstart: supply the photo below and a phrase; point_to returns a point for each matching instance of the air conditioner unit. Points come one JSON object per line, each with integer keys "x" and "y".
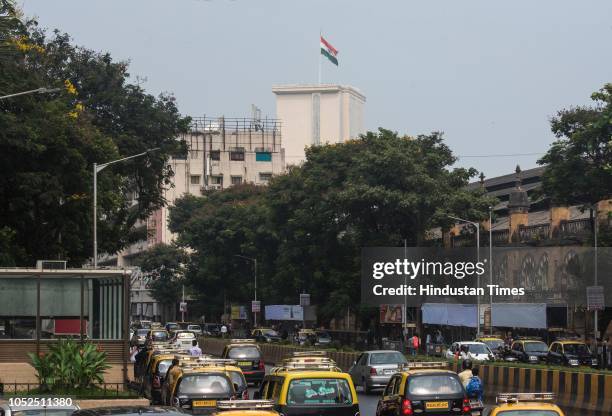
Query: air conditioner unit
{"x": 51, "y": 264}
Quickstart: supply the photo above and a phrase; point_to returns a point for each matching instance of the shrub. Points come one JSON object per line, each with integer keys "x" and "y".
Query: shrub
{"x": 69, "y": 365}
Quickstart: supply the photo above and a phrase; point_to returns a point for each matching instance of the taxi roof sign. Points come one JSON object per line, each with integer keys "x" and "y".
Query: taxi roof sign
{"x": 242, "y": 341}
{"x": 244, "y": 404}
{"x": 297, "y": 366}
{"x": 309, "y": 354}
{"x": 413, "y": 365}
{"x": 524, "y": 397}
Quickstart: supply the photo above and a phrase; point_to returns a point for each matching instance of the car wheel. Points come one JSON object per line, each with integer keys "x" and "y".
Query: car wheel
{"x": 364, "y": 387}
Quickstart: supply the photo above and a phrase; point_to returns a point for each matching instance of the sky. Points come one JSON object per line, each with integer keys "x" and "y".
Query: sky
{"x": 489, "y": 74}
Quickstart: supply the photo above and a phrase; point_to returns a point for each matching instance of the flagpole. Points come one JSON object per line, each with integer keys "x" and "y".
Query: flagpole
{"x": 320, "y": 35}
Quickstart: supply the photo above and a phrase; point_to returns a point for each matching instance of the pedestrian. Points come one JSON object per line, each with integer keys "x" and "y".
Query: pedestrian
{"x": 140, "y": 359}
{"x": 223, "y": 331}
{"x": 474, "y": 388}
{"x": 416, "y": 342}
{"x": 466, "y": 374}
{"x": 170, "y": 375}
{"x": 427, "y": 343}
{"x": 195, "y": 350}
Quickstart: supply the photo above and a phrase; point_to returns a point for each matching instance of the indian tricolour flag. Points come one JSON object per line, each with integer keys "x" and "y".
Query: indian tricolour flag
{"x": 329, "y": 51}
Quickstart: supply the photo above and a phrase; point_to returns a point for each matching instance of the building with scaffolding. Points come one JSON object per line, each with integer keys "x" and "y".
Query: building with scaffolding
{"x": 222, "y": 152}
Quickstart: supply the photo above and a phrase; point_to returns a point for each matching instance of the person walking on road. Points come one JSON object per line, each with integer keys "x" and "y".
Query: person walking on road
{"x": 415, "y": 344}
{"x": 223, "y": 331}
{"x": 195, "y": 350}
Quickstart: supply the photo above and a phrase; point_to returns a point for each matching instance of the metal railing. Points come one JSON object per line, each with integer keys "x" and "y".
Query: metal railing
{"x": 578, "y": 228}
{"x": 534, "y": 232}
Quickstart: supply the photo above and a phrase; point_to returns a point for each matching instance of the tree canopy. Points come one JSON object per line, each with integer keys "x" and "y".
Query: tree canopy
{"x": 306, "y": 229}
{"x": 579, "y": 163}
{"x": 164, "y": 267}
{"x": 49, "y": 142}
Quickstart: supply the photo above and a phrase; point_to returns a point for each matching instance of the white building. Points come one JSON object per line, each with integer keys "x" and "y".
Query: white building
{"x": 318, "y": 114}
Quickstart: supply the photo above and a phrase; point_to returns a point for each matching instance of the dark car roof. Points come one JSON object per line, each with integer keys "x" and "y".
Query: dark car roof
{"x": 130, "y": 410}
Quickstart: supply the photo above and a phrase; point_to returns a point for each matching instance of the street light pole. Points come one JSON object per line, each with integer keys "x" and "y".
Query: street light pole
{"x": 477, "y": 225}
{"x": 41, "y": 90}
{"x": 490, "y": 270}
{"x": 96, "y": 169}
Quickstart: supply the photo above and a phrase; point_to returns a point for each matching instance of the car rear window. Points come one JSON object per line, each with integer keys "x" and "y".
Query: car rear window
{"x": 319, "y": 391}
{"x": 159, "y": 336}
{"x": 477, "y": 348}
{"x": 142, "y": 332}
{"x": 238, "y": 378}
{"x": 214, "y": 384}
{"x": 194, "y": 327}
{"x": 162, "y": 367}
{"x": 434, "y": 384}
{"x": 535, "y": 347}
{"x": 387, "y": 358}
{"x": 250, "y": 353}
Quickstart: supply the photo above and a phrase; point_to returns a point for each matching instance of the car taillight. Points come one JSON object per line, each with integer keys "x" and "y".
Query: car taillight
{"x": 373, "y": 371}
{"x": 262, "y": 365}
{"x": 406, "y": 407}
{"x": 466, "y": 406}
{"x": 245, "y": 395}
{"x": 156, "y": 382}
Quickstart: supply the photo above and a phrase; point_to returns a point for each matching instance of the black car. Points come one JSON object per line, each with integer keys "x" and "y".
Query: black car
{"x": 199, "y": 392}
{"x": 430, "y": 392}
{"x": 249, "y": 359}
{"x": 529, "y": 351}
{"x": 130, "y": 411}
{"x": 572, "y": 353}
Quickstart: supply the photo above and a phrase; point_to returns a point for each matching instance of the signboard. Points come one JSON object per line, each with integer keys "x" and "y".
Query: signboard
{"x": 284, "y": 312}
{"x": 595, "y": 298}
{"x": 239, "y": 312}
{"x": 255, "y": 306}
{"x": 183, "y": 306}
{"x": 391, "y": 314}
{"x": 304, "y": 299}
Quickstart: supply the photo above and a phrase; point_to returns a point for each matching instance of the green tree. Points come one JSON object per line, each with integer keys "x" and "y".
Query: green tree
{"x": 579, "y": 163}
{"x": 48, "y": 144}
{"x": 164, "y": 266}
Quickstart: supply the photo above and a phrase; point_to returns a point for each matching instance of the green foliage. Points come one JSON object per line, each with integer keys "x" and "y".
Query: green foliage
{"x": 49, "y": 142}
{"x": 69, "y": 365}
{"x": 165, "y": 266}
{"x": 307, "y": 228}
{"x": 579, "y": 163}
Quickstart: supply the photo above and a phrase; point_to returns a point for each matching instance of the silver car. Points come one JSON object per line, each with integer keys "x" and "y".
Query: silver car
{"x": 33, "y": 406}
{"x": 373, "y": 369}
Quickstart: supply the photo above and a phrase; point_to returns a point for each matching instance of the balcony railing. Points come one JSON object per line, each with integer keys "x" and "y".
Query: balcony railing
{"x": 580, "y": 228}
{"x": 500, "y": 238}
{"x": 531, "y": 233}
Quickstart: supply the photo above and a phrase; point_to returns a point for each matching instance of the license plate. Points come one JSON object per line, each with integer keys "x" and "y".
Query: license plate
{"x": 389, "y": 371}
{"x": 244, "y": 363}
{"x": 204, "y": 403}
{"x": 436, "y": 405}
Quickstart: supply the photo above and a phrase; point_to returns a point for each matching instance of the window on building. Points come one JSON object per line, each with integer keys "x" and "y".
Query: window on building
{"x": 195, "y": 179}
{"x": 236, "y": 180}
{"x": 194, "y": 154}
{"x": 216, "y": 180}
{"x": 215, "y": 155}
{"x": 263, "y": 156}
{"x": 265, "y": 177}
{"x": 237, "y": 154}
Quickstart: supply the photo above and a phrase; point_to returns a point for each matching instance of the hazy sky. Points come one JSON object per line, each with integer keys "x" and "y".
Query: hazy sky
{"x": 488, "y": 73}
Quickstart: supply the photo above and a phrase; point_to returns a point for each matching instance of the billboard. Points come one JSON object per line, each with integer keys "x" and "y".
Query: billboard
{"x": 391, "y": 313}
{"x": 284, "y": 313}
{"x": 239, "y": 312}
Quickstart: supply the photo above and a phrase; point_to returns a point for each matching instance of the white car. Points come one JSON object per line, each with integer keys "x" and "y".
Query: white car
{"x": 196, "y": 329}
{"x": 476, "y": 350}
{"x": 183, "y": 339}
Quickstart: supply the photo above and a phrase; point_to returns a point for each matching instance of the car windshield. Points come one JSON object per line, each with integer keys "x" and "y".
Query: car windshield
{"x": 216, "y": 384}
{"x": 387, "y": 358}
{"x": 323, "y": 335}
{"x": 477, "y": 348}
{"x": 142, "y": 332}
{"x": 185, "y": 335}
{"x": 270, "y": 333}
{"x": 494, "y": 343}
{"x": 576, "y": 349}
{"x": 162, "y": 367}
{"x": 194, "y": 327}
{"x": 434, "y": 384}
{"x": 528, "y": 413}
{"x": 251, "y": 353}
{"x": 535, "y": 347}
{"x": 159, "y": 336}
{"x": 43, "y": 412}
{"x": 319, "y": 391}
{"x": 238, "y": 378}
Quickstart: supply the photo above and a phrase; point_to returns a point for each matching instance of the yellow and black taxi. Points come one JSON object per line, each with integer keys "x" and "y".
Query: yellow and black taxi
{"x": 492, "y": 341}
{"x": 529, "y": 350}
{"x": 319, "y": 389}
{"x": 424, "y": 387}
{"x": 155, "y": 374}
{"x": 246, "y": 408}
{"x": 248, "y": 357}
{"x": 526, "y": 404}
{"x": 197, "y": 389}
{"x": 235, "y": 373}
{"x": 571, "y": 352}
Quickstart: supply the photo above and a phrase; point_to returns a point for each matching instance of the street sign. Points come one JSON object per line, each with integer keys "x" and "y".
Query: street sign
{"x": 595, "y": 298}
{"x": 304, "y": 299}
{"x": 255, "y": 306}
{"x": 183, "y": 306}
